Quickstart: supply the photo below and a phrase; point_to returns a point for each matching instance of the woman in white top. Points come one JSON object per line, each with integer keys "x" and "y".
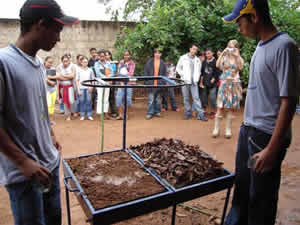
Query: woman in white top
{"x": 66, "y": 73}
{"x": 84, "y": 73}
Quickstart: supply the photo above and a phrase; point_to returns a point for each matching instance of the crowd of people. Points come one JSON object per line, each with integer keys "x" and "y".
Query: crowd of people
{"x": 65, "y": 84}
{"x": 30, "y": 153}
{"x": 209, "y": 81}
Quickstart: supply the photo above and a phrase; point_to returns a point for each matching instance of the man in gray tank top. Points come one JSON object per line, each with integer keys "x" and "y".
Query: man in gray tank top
{"x": 266, "y": 132}
{"x": 29, "y": 160}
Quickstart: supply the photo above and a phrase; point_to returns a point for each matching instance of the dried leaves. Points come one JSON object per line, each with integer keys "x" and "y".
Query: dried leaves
{"x": 180, "y": 164}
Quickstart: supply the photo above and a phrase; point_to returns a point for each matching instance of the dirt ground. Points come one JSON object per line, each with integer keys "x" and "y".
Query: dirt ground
{"x": 83, "y": 137}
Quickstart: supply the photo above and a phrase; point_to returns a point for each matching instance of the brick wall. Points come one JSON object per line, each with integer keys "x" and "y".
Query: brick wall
{"x": 77, "y": 39}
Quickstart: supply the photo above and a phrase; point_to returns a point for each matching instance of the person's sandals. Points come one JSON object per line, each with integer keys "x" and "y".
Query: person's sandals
{"x": 113, "y": 115}
{"x": 107, "y": 118}
{"x": 121, "y": 118}
{"x": 212, "y": 115}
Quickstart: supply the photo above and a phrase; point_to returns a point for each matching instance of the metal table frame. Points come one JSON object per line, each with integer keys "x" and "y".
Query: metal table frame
{"x": 171, "y": 197}
{"x": 194, "y": 191}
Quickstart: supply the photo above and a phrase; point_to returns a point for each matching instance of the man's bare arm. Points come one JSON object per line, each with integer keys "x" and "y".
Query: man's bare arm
{"x": 54, "y": 140}
{"x": 27, "y": 166}
{"x": 266, "y": 159}
{"x": 71, "y": 75}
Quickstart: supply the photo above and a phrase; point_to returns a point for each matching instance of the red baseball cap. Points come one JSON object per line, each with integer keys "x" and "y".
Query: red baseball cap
{"x": 45, "y": 9}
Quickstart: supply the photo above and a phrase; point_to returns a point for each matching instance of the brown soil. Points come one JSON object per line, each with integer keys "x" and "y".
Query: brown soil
{"x": 83, "y": 137}
{"x": 112, "y": 178}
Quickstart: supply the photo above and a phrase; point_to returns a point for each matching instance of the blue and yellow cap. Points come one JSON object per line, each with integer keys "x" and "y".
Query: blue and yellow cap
{"x": 241, "y": 7}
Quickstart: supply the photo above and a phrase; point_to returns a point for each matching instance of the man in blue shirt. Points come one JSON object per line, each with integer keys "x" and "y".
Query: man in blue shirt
{"x": 270, "y": 106}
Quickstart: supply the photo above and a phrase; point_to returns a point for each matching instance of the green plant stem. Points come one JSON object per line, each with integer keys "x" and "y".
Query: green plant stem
{"x": 102, "y": 123}
{"x": 196, "y": 209}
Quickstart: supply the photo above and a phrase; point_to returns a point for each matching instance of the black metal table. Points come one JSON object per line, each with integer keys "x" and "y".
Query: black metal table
{"x": 201, "y": 189}
{"x": 171, "y": 197}
{"x": 119, "y": 212}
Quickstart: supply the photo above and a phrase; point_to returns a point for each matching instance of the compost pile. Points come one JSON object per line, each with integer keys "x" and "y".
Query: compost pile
{"x": 180, "y": 164}
{"x": 112, "y": 178}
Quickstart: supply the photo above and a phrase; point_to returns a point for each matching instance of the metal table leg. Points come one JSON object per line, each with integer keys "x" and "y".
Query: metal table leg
{"x": 125, "y": 118}
{"x": 68, "y": 206}
{"x": 173, "y": 214}
{"x": 225, "y": 206}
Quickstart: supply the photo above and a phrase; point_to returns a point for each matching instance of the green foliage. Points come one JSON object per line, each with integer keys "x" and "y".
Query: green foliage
{"x": 286, "y": 17}
{"x": 173, "y": 25}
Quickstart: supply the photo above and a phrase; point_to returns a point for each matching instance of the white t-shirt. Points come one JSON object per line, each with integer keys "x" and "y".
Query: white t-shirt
{"x": 83, "y": 75}
{"x": 65, "y": 71}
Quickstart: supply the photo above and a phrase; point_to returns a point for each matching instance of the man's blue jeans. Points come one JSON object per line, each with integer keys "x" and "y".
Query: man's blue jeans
{"x": 61, "y": 106}
{"x": 298, "y": 109}
{"x": 169, "y": 92}
{"x": 32, "y": 207}
{"x": 193, "y": 90}
{"x": 85, "y": 103}
{"x": 154, "y": 102}
{"x": 77, "y": 104}
{"x": 211, "y": 94}
{"x": 255, "y": 195}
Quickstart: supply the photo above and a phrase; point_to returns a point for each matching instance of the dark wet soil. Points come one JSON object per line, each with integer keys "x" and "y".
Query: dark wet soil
{"x": 112, "y": 178}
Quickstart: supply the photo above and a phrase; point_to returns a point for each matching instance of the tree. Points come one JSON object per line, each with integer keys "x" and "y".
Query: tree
{"x": 173, "y": 25}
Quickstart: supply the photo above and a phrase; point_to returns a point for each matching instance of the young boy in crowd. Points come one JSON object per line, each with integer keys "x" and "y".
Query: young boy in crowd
{"x": 189, "y": 69}
{"x": 154, "y": 67}
{"x": 91, "y": 64}
{"x": 208, "y": 82}
{"x": 94, "y": 58}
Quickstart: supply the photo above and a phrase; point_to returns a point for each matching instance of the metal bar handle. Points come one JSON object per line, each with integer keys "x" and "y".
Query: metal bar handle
{"x": 67, "y": 185}
{"x": 173, "y": 82}
{"x": 169, "y": 80}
